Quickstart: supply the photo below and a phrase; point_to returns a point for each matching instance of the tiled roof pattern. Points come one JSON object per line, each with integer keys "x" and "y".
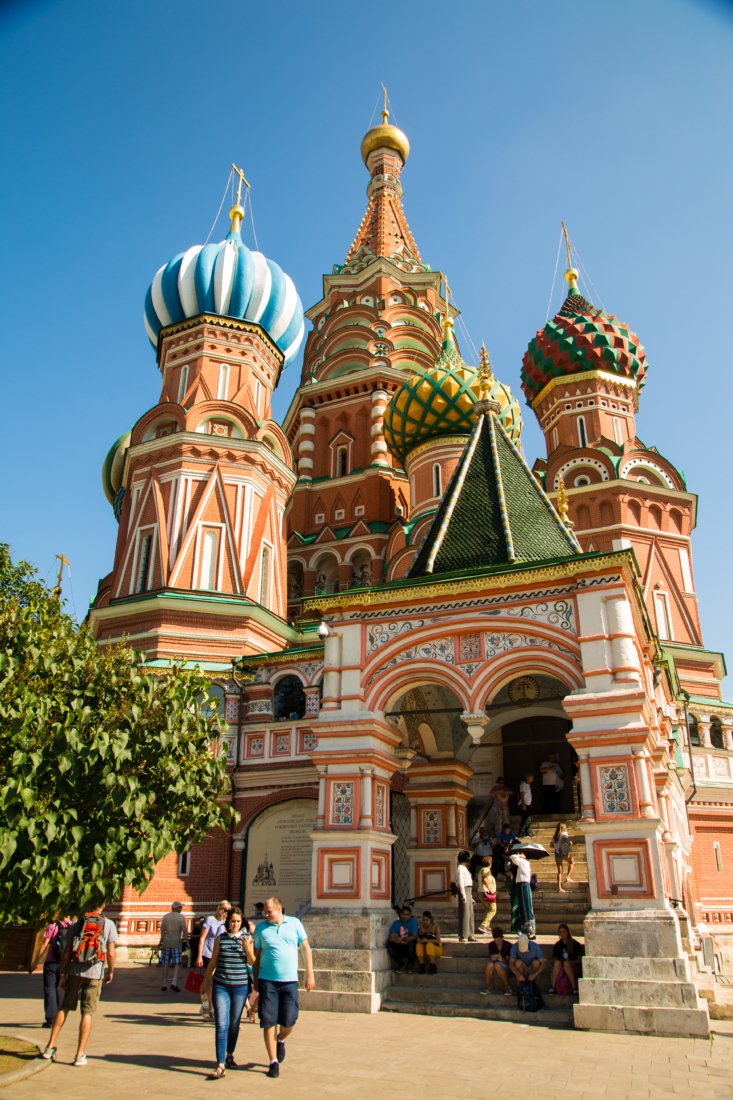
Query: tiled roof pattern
{"x": 492, "y": 515}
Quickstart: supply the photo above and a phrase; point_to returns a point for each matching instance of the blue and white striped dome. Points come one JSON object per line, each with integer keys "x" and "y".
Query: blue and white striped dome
{"x": 229, "y": 280}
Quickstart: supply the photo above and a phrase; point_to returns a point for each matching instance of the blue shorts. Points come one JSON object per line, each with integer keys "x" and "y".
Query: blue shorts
{"x": 278, "y": 1003}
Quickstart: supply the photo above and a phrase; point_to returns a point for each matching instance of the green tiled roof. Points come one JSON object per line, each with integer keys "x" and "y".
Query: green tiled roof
{"x": 494, "y": 511}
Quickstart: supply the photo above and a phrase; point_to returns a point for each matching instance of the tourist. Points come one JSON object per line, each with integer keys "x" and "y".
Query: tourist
{"x": 523, "y": 917}
{"x": 259, "y": 913}
{"x": 498, "y": 962}
{"x": 526, "y": 960}
{"x": 194, "y": 941}
{"x": 210, "y": 929}
{"x": 501, "y": 794}
{"x": 402, "y": 941}
{"x": 90, "y": 942}
{"x": 482, "y": 846}
{"x": 487, "y": 894}
{"x": 229, "y": 976}
{"x": 276, "y": 942}
{"x": 172, "y": 936}
{"x": 525, "y": 805}
{"x": 52, "y": 945}
{"x": 429, "y": 945}
{"x": 552, "y": 783}
{"x": 504, "y": 841}
{"x": 464, "y": 882}
{"x": 567, "y": 955}
{"x": 562, "y": 845}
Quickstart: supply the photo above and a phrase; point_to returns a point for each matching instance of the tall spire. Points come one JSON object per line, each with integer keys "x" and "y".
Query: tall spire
{"x": 384, "y": 230}
{"x": 571, "y": 273}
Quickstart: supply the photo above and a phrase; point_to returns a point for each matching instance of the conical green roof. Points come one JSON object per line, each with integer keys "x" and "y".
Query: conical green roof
{"x": 494, "y": 511}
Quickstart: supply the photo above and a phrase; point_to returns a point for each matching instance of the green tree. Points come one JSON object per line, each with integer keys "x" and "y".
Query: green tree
{"x": 104, "y": 769}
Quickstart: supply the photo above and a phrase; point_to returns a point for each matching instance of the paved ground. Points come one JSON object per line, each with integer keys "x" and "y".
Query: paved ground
{"x": 146, "y": 1044}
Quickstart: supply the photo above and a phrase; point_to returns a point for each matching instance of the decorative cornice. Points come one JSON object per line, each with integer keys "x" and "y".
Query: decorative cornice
{"x": 602, "y": 375}
{"x": 289, "y": 658}
{"x": 222, "y": 322}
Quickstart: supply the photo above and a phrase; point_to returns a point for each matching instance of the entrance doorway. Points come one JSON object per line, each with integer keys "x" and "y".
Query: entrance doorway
{"x": 526, "y": 745}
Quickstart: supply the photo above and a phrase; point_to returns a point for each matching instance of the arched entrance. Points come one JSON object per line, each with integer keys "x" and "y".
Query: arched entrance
{"x": 278, "y": 855}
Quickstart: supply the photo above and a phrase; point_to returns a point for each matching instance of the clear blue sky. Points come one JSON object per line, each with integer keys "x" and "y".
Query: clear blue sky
{"x": 120, "y": 121}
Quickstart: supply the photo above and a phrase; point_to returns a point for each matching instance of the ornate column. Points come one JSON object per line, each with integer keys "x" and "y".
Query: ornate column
{"x": 332, "y": 673}
{"x": 322, "y": 770}
{"x": 380, "y": 398}
{"x": 646, "y": 800}
{"x": 306, "y": 445}
{"x": 312, "y": 702}
{"x": 586, "y": 787}
{"x": 366, "y": 818}
{"x": 622, "y": 634}
{"x": 475, "y": 724}
{"x": 259, "y": 703}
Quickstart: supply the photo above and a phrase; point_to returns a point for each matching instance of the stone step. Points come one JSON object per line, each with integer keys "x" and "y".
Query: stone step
{"x": 688, "y": 1023}
{"x": 638, "y": 994}
{"x": 548, "y": 1017}
{"x": 636, "y": 969}
{"x": 448, "y": 980}
{"x": 463, "y": 996}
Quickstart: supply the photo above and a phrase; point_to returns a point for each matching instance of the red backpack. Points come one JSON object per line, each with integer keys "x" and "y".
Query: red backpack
{"x": 89, "y": 944}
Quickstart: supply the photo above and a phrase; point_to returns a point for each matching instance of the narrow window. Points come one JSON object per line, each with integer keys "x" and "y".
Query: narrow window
{"x": 183, "y": 384}
{"x": 264, "y": 575}
{"x": 660, "y": 604}
{"x": 143, "y": 571}
{"x": 582, "y": 434}
{"x": 208, "y": 560}
{"x": 183, "y": 863}
{"x": 555, "y": 439}
{"x": 617, "y": 430}
{"x": 437, "y": 487}
{"x": 258, "y": 393}
{"x": 694, "y": 730}
{"x": 716, "y": 733}
{"x": 341, "y": 456}
{"x": 223, "y": 390}
{"x": 686, "y": 571}
{"x": 412, "y": 488}
{"x": 718, "y": 856}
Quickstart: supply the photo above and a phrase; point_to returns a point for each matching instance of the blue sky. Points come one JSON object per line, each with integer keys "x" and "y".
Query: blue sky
{"x": 118, "y": 127}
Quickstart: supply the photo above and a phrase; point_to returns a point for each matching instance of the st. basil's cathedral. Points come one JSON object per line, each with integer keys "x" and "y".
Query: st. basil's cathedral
{"x": 395, "y": 610}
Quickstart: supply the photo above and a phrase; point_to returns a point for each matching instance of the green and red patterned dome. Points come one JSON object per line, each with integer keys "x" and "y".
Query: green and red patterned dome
{"x": 579, "y": 338}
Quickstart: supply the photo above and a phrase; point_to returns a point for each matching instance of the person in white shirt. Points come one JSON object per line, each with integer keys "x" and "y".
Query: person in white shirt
{"x": 552, "y": 783}
{"x": 521, "y": 895}
{"x": 464, "y": 882}
{"x": 525, "y": 805}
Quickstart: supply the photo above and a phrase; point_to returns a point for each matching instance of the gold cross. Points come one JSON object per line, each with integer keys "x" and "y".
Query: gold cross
{"x": 63, "y": 560}
{"x": 385, "y": 112}
{"x": 242, "y": 180}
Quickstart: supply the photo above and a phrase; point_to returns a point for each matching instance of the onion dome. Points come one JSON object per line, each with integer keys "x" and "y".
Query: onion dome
{"x": 441, "y": 402}
{"x": 580, "y": 338}
{"x": 229, "y": 280}
{"x": 112, "y": 468}
{"x": 385, "y": 137}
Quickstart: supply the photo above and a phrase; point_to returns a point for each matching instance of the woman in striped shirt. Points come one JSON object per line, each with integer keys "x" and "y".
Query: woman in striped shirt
{"x": 228, "y": 974}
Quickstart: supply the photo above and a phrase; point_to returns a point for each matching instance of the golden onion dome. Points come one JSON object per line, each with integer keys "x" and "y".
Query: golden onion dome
{"x": 385, "y": 137}
{"x": 441, "y": 403}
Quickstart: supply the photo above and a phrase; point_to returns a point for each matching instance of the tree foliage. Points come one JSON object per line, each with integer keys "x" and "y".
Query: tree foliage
{"x": 104, "y": 769}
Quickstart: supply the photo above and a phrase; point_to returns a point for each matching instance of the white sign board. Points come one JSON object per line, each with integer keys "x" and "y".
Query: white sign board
{"x": 279, "y": 855}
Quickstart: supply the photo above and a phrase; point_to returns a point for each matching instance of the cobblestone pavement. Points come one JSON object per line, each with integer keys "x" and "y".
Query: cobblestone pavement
{"x": 145, "y": 1043}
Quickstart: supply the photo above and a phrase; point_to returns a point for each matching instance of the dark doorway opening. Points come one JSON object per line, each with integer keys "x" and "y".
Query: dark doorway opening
{"x": 527, "y": 744}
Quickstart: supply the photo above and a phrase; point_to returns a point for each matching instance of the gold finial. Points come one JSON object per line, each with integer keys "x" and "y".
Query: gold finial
{"x": 57, "y": 590}
{"x": 447, "y": 323}
{"x": 572, "y": 272}
{"x": 562, "y": 501}
{"x": 485, "y": 375}
{"x": 237, "y": 211}
{"x": 385, "y": 112}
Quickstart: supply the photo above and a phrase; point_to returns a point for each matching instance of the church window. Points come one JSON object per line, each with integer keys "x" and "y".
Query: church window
{"x": 288, "y": 700}
{"x": 635, "y": 512}
{"x": 686, "y": 571}
{"x": 643, "y": 480}
{"x": 367, "y": 300}
{"x": 359, "y": 510}
{"x": 655, "y": 517}
{"x": 617, "y": 430}
{"x": 437, "y": 486}
{"x": 582, "y": 434}
{"x": 718, "y": 856}
{"x": 265, "y": 576}
{"x": 555, "y": 439}
{"x": 184, "y": 862}
{"x": 319, "y": 517}
{"x": 341, "y": 462}
{"x": 395, "y": 300}
{"x": 662, "y": 611}
{"x": 182, "y": 383}
{"x": 582, "y": 480}
{"x": 339, "y": 513}
{"x": 209, "y": 560}
{"x": 143, "y": 571}
{"x": 412, "y": 488}
{"x": 223, "y": 391}
{"x": 694, "y": 731}
{"x": 716, "y": 733}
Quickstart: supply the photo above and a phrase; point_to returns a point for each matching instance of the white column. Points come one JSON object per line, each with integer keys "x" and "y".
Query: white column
{"x": 646, "y": 801}
{"x": 621, "y": 629}
{"x": 379, "y": 447}
{"x": 321, "y": 815}
{"x": 365, "y": 818}
{"x": 332, "y": 673}
{"x": 306, "y": 445}
{"x": 451, "y": 816}
{"x": 586, "y": 787}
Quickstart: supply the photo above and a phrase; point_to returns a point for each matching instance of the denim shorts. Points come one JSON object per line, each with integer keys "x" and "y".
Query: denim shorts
{"x": 278, "y": 1003}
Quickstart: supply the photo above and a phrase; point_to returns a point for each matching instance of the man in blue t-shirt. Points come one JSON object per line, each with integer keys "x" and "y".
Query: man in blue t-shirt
{"x": 276, "y": 943}
{"x": 526, "y": 960}
{"x": 401, "y": 941}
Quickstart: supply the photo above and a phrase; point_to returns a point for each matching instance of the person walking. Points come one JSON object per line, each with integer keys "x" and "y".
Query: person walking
{"x": 525, "y": 805}
{"x": 525, "y": 911}
{"x": 172, "y": 935}
{"x": 500, "y": 808}
{"x": 210, "y": 929}
{"x": 562, "y": 845}
{"x": 90, "y": 943}
{"x": 52, "y": 945}
{"x": 228, "y": 974}
{"x": 487, "y": 893}
{"x": 552, "y": 783}
{"x": 276, "y": 942}
{"x": 464, "y": 882}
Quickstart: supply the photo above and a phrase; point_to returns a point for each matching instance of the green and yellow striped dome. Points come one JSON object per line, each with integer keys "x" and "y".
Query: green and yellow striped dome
{"x": 441, "y": 402}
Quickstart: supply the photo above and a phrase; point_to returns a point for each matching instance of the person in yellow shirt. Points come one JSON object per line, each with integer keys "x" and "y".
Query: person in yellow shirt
{"x": 429, "y": 945}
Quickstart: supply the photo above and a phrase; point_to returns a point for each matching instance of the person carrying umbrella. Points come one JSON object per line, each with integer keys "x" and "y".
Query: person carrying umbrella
{"x": 523, "y": 919}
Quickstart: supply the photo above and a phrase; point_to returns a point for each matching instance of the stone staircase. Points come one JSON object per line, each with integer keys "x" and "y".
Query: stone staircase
{"x": 456, "y": 989}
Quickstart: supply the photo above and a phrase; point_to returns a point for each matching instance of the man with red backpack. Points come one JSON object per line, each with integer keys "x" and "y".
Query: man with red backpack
{"x": 89, "y": 944}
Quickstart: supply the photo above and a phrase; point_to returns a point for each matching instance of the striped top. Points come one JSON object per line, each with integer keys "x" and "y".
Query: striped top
{"x": 231, "y": 966}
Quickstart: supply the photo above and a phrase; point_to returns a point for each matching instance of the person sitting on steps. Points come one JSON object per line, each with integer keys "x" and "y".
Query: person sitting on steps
{"x": 567, "y": 956}
{"x": 526, "y": 959}
{"x": 402, "y": 941}
{"x": 498, "y": 963}
{"x": 429, "y": 944}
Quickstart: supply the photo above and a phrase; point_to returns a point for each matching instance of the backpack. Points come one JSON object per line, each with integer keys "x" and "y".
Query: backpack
{"x": 57, "y": 946}
{"x": 89, "y": 945}
{"x": 529, "y": 997}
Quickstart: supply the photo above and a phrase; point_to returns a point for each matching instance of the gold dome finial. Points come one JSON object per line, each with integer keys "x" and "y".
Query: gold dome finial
{"x": 385, "y": 136}
{"x": 562, "y": 502}
{"x": 485, "y": 375}
{"x": 571, "y": 273}
{"x": 237, "y": 211}
{"x": 447, "y": 321}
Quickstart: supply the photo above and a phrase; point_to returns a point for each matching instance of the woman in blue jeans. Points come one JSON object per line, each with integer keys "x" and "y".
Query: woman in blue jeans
{"x": 228, "y": 975}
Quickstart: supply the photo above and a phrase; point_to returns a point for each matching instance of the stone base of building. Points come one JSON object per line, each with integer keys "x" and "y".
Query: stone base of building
{"x": 350, "y": 963}
{"x": 636, "y": 977}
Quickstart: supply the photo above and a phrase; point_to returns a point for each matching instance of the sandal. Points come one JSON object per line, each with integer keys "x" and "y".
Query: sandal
{"x": 230, "y": 1063}
{"x": 218, "y": 1073}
